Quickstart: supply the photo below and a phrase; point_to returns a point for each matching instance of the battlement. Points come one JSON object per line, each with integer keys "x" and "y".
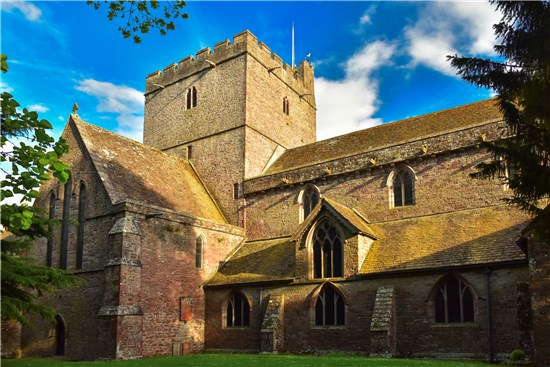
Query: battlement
{"x": 300, "y": 78}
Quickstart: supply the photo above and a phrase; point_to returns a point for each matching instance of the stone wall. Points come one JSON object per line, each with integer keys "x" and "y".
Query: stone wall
{"x": 416, "y": 333}
{"x": 442, "y": 185}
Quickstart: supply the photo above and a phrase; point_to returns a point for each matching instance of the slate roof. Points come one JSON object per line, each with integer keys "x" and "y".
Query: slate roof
{"x": 462, "y": 238}
{"x": 346, "y": 216}
{"x": 131, "y": 170}
{"x": 395, "y": 133}
{"x": 259, "y": 261}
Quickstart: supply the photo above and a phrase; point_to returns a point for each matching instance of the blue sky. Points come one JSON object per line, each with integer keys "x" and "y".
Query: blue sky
{"x": 375, "y": 62}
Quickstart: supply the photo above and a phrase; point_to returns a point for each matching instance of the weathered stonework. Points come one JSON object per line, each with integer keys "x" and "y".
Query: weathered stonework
{"x": 225, "y": 212}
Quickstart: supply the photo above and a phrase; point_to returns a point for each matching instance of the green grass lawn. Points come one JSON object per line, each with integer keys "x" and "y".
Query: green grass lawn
{"x": 254, "y": 360}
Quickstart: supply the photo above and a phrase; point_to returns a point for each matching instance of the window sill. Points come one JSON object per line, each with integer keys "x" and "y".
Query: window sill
{"x": 329, "y": 327}
{"x": 455, "y": 325}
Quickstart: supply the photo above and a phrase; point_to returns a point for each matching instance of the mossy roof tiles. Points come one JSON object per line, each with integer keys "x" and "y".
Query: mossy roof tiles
{"x": 395, "y": 133}
{"x": 131, "y": 170}
{"x": 258, "y": 261}
{"x": 462, "y": 238}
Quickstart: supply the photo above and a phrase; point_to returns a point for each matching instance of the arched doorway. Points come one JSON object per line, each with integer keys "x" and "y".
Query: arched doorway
{"x": 60, "y": 332}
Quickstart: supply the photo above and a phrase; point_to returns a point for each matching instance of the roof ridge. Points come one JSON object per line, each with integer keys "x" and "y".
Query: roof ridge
{"x": 88, "y": 125}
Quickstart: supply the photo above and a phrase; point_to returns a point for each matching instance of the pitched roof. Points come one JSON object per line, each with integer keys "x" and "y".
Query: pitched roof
{"x": 395, "y": 133}
{"x": 346, "y": 216}
{"x": 468, "y": 237}
{"x": 258, "y": 261}
{"x": 131, "y": 170}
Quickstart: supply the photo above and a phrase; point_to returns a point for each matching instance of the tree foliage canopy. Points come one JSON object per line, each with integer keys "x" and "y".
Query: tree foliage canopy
{"x": 139, "y": 17}
{"x": 520, "y": 77}
{"x": 29, "y": 156}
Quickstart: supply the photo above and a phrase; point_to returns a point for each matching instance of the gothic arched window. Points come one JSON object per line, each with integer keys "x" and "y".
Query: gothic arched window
{"x": 310, "y": 197}
{"x": 330, "y": 309}
{"x": 81, "y": 223}
{"x": 402, "y": 187}
{"x": 454, "y": 301}
{"x": 327, "y": 251}
{"x": 188, "y": 98}
{"x": 286, "y": 106}
{"x": 237, "y": 312}
{"x": 67, "y": 194}
{"x": 194, "y": 97}
{"x": 191, "y": 98}
{"x": 50, "y": 243}
{"x": 199, "y": 250}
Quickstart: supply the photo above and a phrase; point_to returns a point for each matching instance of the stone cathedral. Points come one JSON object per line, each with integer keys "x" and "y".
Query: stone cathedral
{"x": 232, "y": 229}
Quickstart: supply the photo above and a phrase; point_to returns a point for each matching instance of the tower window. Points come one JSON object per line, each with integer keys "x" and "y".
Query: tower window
{"x": 189, "y": 152}
{"x": 286, "y": 106}
{"x": 237, "y": 311}
{"x": 330, "y": 309}
{"x": 191, "y": 98}
{"x": 402, "y": 188}
{"x": 235, "y": 191}
{"x": 454, "y": 302}
{"x": 327, "y": 251}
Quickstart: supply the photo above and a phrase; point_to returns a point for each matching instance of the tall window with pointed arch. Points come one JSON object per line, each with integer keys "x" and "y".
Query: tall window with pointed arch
{"x": 330, "y": 308}
{"x": 50, "y": 243}
{"x": 237, "y": 312}
{"x": 286, "y": 106}
{"x": 454, "y": 301}
{"x": 81, "y": 224}
{"x": 199, "y": 252}
{"x": 191, "y": 98}
{"x": 310, "y": 197}
{"x": 402, "y": 187}
{"x": 328, "y": 251}
{"x": 67, "y": 195}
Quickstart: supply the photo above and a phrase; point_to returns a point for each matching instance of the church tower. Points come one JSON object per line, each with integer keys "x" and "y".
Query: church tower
{"x": 230, "y": 112}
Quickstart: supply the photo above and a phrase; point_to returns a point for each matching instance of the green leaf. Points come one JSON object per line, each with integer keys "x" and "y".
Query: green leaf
{"x": 45, "y": 124}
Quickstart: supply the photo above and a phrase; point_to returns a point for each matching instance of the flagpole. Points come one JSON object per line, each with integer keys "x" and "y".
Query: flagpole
{"x": 293, "y": 44}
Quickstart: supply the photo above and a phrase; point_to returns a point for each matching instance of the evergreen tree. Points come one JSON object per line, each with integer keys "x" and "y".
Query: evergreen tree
{"x": 28, "y": 157}
{"x": 520, "y": 77}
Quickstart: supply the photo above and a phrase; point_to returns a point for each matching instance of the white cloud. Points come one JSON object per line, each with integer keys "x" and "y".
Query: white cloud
{"x": 347, "y": 105}
{"x": 30, "y": 11}
{"x": 119, "y": 99}
{"x": 448, "y": 28}
{"x": 38, "y": 108}
{"x": 130, "y": 126}
{"x": 365, "y": 19}
{"x": 113, "y": 98}
{"x": 5, "y": 88}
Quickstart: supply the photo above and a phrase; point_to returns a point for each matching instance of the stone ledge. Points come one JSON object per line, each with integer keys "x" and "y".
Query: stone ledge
{"x": 123, "y": 261}
{"x": 134, "y": 310}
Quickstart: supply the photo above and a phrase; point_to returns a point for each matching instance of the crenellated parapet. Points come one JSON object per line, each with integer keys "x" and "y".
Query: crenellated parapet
{"x": 299, "y": 78}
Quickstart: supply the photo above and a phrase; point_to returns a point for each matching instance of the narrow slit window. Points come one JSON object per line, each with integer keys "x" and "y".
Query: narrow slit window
{"x": 199, "y": 252}
{"x": 189, "y": 152}
{"x": 65, "y": 223}
{"x": 51, "y": 232}
{"x": 188, "y": 99}
{"x": 235, "y": 191}
{"x": 81, "y": 224}
{"x": 194, "y": 97}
